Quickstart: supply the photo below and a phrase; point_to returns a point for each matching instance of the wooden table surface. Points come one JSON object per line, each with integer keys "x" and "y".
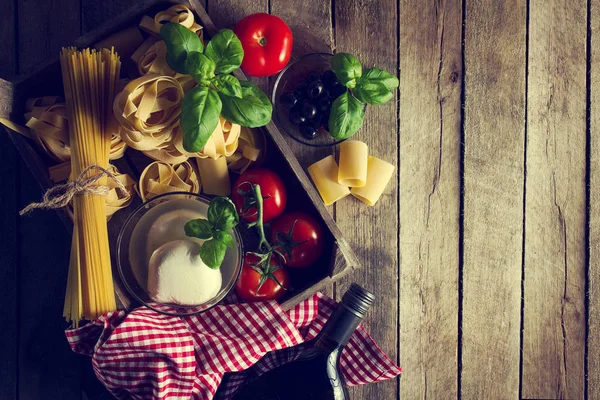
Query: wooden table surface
{"x": 483, "y": 251}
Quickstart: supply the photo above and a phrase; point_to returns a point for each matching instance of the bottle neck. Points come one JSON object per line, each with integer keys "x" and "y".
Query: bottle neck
{"x": 337, "y": 330}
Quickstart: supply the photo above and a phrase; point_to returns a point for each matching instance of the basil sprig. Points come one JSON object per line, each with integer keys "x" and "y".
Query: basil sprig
{"x": 374, "y": 86}
{"x": 217, "y": 92}
{"x": 222, "y": 216}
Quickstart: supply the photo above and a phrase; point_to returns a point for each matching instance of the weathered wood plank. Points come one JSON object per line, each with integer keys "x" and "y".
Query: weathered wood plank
{"x": 593, "y": 366}
{"x": 42, "y": 33}
{"x": 493, "y": 197}
{"x": 555, "y": 193}
{"x": 94, "y": 13}
{"x": 311, "y": 25}
{"x": 9, "y": 267}
{"x": 8, "y": 55}
{"x": 9, "y": 262}
{"x": 430, "y": 113}
{"x": 47, "y": 366}
{"x": 368, "y": 29}
{"x": 310, "y": 22}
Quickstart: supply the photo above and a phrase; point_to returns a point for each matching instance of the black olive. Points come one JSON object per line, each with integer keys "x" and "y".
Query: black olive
{"x": 295, "y": 116}
{"x": 288, "y": 100}
{"x": 308, "y": 131}
{"x": 313, "y": 76}
{"x": 315, "y": 122}
{"x": 329, "y": 78}
{"x": 300, "y": 89}
{"x": 323, "y": 103}
{"x": 337, "y": 90}
{"x": 314, "y": 89}
{"x": 308, "y": 110}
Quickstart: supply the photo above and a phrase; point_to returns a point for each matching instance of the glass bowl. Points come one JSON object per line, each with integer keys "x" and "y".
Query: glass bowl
{"x": 286, "y": 80}
{"x": 158, "y": 221}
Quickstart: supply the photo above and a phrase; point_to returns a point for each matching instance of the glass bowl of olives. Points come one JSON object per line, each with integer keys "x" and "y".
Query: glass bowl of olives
{"x": 302, "y": 98}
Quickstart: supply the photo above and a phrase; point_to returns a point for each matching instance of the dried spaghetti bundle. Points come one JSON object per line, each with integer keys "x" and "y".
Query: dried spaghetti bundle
{"x": 89, "y": 80}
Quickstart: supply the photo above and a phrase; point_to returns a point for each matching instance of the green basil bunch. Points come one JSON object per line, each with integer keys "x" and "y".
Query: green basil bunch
{"x": 374, "y": 86}
{"x": 217, "y": 92}
{"x": 222, "y": 216}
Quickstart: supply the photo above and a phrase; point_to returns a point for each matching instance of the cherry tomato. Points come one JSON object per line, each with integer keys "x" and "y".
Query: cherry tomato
{"x": 272, "y": 190}
{"x": 299, "y": 237}
{"x": 267, "y": 43}
{"x": 249, "y": 281}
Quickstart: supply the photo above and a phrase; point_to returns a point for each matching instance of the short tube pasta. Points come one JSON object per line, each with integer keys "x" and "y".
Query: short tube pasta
{"x": 214, "y": 176}
{"x": 353, "y": 163}
{"x": 379, "y": 174}
{"x": 324, "y": 174}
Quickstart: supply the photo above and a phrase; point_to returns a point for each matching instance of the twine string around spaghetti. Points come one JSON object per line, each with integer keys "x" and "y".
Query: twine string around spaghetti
{"x": 60, "y": 196}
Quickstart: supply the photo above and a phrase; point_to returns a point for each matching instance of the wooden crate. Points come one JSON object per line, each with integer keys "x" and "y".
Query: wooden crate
{"x": 47, "y": 81}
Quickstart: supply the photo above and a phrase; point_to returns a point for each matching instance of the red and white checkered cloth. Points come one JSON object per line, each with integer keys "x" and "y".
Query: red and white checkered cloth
{"x": 145, "y": 354}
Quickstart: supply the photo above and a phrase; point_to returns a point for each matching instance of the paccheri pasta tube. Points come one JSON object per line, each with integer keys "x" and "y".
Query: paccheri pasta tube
{"x": 353, "y": 163}
{"x": 324, "y": 174}
{"x": 379, "y": 174}
{"x": 160, "y": 177}
{"x": 214, "y": 175}
{"x": 90, "y": 82}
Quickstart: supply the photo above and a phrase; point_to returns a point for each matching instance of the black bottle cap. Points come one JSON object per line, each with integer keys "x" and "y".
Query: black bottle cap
{"x": 358, "y": 300}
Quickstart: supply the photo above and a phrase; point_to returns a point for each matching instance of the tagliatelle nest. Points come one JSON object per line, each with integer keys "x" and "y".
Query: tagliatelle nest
{"x": 152, "y": 59}
{"x": 115, "y": 199}
{"x": 160, "y": 177}
{"x": 252, "y": 149}
{"x": 148, "y": 110}
{"x": 222, "y": 142}
{"x": 48, "y": 124}
{"x": 178, "y": 13}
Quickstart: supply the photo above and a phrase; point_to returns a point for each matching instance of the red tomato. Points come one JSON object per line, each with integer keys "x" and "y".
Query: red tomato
{"x": 267, "y": 43}
{"x": 272, "y": 190}
{"x": 299, "y": 237}
{"x": 247, "y": 285}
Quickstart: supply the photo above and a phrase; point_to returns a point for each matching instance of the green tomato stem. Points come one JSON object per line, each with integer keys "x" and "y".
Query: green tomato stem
{"x": 259, "y": 220}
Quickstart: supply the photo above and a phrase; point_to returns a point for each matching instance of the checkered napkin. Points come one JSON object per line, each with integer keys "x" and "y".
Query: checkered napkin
{"x": 145, "y": 354}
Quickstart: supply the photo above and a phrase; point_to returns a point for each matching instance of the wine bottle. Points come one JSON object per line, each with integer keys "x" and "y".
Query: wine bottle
{"x": 315, "y": 374}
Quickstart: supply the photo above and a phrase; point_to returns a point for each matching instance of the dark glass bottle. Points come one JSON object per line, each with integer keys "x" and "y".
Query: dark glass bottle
{"x": 315, "y": 374}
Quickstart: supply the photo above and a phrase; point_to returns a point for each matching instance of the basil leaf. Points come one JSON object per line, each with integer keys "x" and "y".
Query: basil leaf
{"x": 226, "y": 50}
{"x": 372, "y": 92}
{"x": 228, "y": 85}
{"x": 222, "y": 213}
{"x": 377, "y": 75}
{"x": 199, "y": 66}
{"x": 212, "y": 253}
{"x": 346, "y": 116}
{"x": 347, "y": 68}
{"x": 199, "y": 117}
{"x": 180, "y": 42}
{"x": 224, "y": 237}
{"x": 198, "y": 228}
{"x": 252, "y": 110}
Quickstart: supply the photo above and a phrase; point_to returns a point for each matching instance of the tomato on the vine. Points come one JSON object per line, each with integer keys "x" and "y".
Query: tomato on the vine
{"x": 272, "y": 190}
{"x": 261, "y": 283}
{"x": 267, "y": 43}
{"x": 299, "y": 237}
